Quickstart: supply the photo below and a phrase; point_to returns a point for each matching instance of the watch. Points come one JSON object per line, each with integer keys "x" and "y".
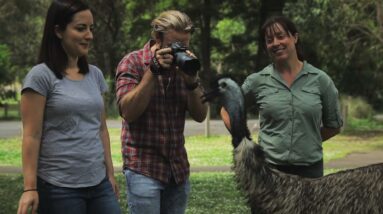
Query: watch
{"x": 155, "y": 66}
{"x": 192, "y": 86}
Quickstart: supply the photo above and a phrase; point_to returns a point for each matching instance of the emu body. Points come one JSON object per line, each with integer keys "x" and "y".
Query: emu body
{"x": 267, "y": 190}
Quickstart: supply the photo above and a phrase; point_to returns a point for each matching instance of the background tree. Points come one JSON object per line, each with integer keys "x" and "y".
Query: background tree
{"x": 21, "y": 23}
{"x": 342, "y": 37}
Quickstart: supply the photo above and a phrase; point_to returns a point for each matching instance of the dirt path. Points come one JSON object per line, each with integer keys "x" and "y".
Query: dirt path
{"x": 357, "y": 159}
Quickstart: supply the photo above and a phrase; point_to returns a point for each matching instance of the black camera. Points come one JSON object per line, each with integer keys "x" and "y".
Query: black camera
{"x": 187, "y": 64}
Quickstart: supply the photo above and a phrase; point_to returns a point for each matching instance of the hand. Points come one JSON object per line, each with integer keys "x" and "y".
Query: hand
{"x": 28, "y": 200}
{"x": 116, "y": 190}
{"x": 165, "y": 57}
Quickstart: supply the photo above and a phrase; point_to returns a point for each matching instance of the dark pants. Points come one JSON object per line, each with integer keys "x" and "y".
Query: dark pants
{"x": 99, "y": 199}
{"x": 312, "y": 171}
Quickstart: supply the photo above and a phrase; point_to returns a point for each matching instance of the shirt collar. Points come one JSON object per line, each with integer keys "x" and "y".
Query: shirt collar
{"x": 306, "y": 69}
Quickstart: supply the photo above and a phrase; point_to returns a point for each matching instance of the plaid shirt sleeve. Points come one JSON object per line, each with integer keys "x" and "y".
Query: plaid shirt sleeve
{"x": 127, "y": 75}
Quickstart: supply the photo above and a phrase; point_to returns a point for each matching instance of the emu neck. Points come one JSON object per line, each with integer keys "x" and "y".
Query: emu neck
{"x": 238, "y": 124}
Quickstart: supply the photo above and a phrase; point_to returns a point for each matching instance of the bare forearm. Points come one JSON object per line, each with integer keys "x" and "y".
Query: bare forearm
{"x": 107, "y": 152}
{"x": 134, "y": 103}
{"x": 197, "y": 109}
{"x": 30, "y": 153}
{"x": 327, "y": 133}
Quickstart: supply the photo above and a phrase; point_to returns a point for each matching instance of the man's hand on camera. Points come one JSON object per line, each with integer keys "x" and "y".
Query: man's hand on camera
{"x": 164, "y": 57}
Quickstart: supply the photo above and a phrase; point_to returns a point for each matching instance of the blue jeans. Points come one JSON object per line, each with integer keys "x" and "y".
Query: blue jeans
{"x": 99, "y": 199}
{"x": 149, "y": 196}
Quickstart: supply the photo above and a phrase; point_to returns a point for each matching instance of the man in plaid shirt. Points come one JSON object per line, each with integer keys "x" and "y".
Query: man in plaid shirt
{"x": 153, "y": 96}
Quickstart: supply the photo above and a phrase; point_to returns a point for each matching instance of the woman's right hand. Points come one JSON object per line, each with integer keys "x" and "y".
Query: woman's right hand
{"x": 28, "y": 201}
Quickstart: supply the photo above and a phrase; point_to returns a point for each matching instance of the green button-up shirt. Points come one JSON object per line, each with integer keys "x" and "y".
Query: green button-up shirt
{"x": 291, "y": 117}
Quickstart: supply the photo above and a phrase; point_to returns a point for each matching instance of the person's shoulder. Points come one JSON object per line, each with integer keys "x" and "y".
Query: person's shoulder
{"x": 94, "y": 69}
{"x": 266, "y": 71}
{"x": 316, "y": 71}
{"x": 136, "y": 54}
{"x": 312, "y": 69}
{"x": 41, "y": 70}
{"x": 131, "y": 58}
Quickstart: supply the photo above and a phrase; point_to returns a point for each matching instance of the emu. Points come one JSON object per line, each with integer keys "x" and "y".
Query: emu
{"x": 267, "y": 190}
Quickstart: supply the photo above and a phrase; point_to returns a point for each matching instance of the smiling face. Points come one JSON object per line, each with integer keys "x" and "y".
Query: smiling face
{"x": 76, "y": 37}
{"x": 280, "y": 44}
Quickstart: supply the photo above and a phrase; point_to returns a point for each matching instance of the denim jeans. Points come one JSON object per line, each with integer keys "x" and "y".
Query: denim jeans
{"x": 99, "y": 199}
{"x": 150, "y": 196}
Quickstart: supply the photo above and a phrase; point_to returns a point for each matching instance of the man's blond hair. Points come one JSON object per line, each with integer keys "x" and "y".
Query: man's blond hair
{"x": 171, "y": 20}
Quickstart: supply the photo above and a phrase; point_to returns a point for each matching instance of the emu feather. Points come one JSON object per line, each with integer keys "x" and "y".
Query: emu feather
{"x": 267, "y": 190}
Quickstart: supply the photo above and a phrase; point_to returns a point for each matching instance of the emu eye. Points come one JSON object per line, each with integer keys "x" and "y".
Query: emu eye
{"x": 223, "y": 85}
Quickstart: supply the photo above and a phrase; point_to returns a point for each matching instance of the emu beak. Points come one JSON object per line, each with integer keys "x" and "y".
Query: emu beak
{"x": 210, "y": 95}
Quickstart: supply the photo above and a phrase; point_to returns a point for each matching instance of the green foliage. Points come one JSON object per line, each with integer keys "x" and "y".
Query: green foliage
{"x": 5, "y": 66}
{"x": 360, "y": 115}
{"x": 345, "y": 39}
{"x": 227, "y": 28}
{"x": 357, "y": 107}
{"x": 356, "y": 124}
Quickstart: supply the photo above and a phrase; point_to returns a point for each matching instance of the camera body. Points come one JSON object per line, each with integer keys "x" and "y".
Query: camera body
{"x": 187, "y": 64}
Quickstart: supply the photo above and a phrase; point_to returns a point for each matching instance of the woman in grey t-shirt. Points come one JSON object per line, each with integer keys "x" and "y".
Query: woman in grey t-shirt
{"x": 67, "y": 162}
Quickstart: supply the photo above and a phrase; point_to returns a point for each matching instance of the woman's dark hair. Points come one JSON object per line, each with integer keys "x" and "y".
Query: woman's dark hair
{"x": 287, "y": 25}
{"x": 60, "y": 13}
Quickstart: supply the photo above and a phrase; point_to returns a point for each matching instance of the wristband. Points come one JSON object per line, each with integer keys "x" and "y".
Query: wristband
{"x": 155, "y": 66}
{"x": 192, "y": 86}
{"x": 28, "y": 190}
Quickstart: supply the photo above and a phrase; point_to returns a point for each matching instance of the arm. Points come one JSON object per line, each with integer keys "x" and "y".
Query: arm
{"x": 32, "y": 113}
{"x": 327, "y": 133}
{"x": 108, "y": 154}
{"x": 134, "y": 103}
{"x": 331, "y": 111}
{"x": 197, "y": 109}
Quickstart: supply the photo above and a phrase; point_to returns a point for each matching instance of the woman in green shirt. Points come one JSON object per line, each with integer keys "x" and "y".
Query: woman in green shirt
{"x": 298, "y": 104}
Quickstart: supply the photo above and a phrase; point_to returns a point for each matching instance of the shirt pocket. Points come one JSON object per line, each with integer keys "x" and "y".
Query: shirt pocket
{"x": 311, "y": 96}
{"x": 267, "y": 97}
{"x": 266, "y": 93}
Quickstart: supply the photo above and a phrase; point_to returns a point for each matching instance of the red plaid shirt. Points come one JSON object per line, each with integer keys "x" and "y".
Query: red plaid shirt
{"x": 153, "y": 144}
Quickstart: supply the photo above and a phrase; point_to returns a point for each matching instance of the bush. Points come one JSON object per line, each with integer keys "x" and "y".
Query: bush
{"x": 357, "y": 107}
{"x": 360, "y": 114}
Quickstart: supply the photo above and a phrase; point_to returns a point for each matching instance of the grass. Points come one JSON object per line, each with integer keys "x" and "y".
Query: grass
{"x": 210, "y": 192}
{"x": 216, "y": 150}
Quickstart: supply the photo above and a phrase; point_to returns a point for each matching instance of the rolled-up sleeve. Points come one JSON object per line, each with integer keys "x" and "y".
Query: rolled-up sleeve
{"x": 331, "y": 117}
{"x": 127, "y": 76}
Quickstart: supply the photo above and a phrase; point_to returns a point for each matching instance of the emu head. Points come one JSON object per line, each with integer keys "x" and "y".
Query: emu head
{"x": 230, "y": 96}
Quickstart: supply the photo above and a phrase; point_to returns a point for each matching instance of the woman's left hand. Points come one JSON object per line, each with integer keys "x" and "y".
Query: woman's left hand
{"x": 116, "y": 190}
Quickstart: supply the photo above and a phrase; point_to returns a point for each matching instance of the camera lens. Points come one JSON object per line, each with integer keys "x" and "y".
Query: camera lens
{"x": 187, "y": 64}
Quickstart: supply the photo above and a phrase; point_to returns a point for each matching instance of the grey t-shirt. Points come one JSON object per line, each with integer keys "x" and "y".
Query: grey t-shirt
{"x": 71, "y": 151}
